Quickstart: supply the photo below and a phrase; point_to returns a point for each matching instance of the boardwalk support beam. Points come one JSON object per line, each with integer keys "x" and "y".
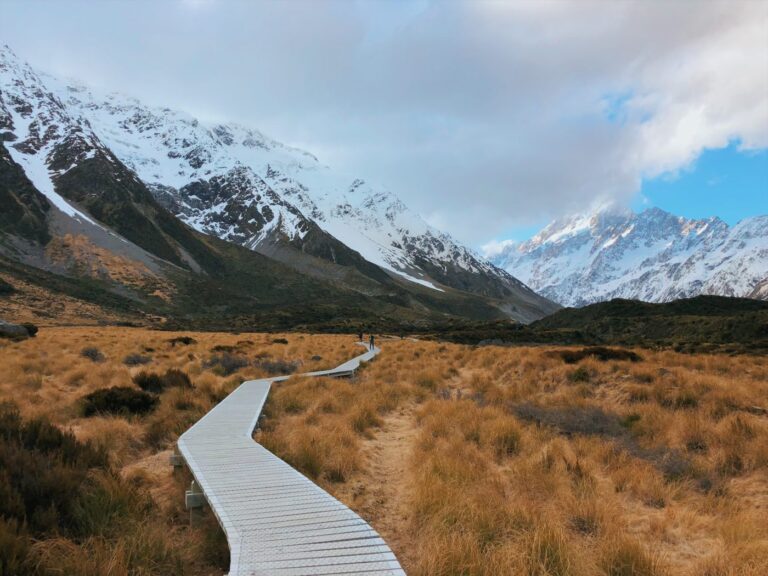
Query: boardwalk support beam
{"x": 194, "y": 499}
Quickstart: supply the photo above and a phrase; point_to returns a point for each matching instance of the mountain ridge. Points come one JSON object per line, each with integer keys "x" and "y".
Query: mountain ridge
{"x": 651, "y": 256}
{"x": 240, "y": 185}
{"x": 181, "y": 220}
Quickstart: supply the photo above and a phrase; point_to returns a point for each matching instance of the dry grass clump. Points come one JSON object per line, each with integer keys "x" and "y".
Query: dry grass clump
{"x": 316, "y": 424}
{"x": 626, "y": 557}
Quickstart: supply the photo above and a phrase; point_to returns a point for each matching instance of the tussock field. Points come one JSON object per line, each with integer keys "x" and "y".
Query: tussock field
{"x": 468, "y": 461}
{"x": 88, "y": 418}
{"x": 495, "y": 460}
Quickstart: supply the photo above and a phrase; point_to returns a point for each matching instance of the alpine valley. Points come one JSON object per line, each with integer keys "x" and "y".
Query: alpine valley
{"x": 150, "y": 212}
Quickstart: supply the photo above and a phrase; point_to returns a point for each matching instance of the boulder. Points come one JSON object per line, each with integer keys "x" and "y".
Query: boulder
{"x": 16, "y": 331}
{"x": 6, "y": 288}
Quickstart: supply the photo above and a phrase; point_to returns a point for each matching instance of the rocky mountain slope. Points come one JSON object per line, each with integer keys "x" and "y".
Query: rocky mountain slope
{"x": 235, "y": 183}
{"x": 159, "y": 187}
{"x": 652, "y": 256}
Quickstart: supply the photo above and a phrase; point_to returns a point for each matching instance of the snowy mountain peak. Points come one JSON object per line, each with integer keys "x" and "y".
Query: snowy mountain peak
{"x": 232, "y": 181}
{"x": 257, "y": 188}
{"x": 652, "y": 255}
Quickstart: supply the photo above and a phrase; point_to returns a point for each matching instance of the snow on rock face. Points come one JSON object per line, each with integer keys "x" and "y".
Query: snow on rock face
{"x": 237, "y": 184}
{"x": 34, "y": 126}
{"x": 652, "y": 256}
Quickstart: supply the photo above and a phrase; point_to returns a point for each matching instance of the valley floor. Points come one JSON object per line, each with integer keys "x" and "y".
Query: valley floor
{"x": 472, "y": 461}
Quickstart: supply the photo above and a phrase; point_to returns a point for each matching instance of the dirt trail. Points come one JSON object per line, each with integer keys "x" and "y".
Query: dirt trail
{"x": 380, "y": 493}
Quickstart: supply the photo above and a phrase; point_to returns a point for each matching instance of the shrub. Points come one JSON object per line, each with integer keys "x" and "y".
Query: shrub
{"x": 93, "y": 354}
{"x": 598, "y": 352}
{"x": 571, "y": 420}
{"x": 104, "y": 502}
{"x": 42, "y": 473}
{"x": 226, "y": 364}
{"x": 31, "y": 329}
{"x": 183, "y": 340}
{"x": 14, "y": 548}
{"x": 224, "y": 348}
{"x": 581, "y": 374}
{"x": 5, "y": 289}
{"x": 149, "y": 382}
{"x": 273, "y": 367}
{"x": 121, "y": 400}
{"x": 136, "y": 360}
{"x": 174, "y": 378}
{"x": 280, "y": 341}
{"x": 154, "y": 383}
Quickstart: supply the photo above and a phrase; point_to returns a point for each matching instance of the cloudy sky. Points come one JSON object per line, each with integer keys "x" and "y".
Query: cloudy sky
{"x": 489, "y": 118}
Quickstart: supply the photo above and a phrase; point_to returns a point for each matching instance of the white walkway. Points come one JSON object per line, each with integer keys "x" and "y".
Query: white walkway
{"x": 277, "y": 521}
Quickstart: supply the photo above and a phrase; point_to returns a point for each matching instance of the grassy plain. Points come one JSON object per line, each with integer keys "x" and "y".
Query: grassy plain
{"x": 469, "y": 461}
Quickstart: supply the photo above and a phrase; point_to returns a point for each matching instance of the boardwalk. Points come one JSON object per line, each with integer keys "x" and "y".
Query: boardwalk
{"x": 277, "y": 521}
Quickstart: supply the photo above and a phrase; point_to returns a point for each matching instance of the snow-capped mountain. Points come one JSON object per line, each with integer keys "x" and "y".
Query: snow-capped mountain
{"x": 652, "y": 256}
{"x": 235, "y": 183}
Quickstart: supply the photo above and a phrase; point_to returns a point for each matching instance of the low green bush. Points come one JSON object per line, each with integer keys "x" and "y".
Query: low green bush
{"x": 82, "y": 516}
{"x": 156, "y": 383}
{"x": 93, "y": 354}
{"x": 121, "y": 400}
{"x": 600, "y": 353}
{"x": 183, "y": 340}
{"x": 174, "y": 378}
{"x": 149, "y": 382}
{"x": 226, "y": 364}
{"x": 136, "y": 360}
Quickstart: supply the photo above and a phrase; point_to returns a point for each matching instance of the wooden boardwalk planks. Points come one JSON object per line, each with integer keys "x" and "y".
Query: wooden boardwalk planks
{"x": 277, "y": 521}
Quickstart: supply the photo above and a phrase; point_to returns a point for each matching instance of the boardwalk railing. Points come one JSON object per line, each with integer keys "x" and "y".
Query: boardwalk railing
{"x": 277, "y": 521}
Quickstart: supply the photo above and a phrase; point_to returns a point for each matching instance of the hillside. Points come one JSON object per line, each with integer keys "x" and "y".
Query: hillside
{"x": 144, "y": 236}
{"x": 703, "y": 323}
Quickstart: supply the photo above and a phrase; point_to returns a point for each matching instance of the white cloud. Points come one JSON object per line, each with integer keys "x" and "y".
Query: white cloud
{"x": 481, "y": 115}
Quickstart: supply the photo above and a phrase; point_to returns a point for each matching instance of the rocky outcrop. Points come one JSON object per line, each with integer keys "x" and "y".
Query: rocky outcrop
{"x": 17, "y": 331}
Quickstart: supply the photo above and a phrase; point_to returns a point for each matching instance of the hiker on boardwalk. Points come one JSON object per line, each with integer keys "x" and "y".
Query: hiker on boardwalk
{"x": 370, "y": 340}
{"x": 361, "y": 336}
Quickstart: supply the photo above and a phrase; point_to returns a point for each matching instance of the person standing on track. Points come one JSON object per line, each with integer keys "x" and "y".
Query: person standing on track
{"x": 371, "y": 342}
{"x": 361, "y": 336}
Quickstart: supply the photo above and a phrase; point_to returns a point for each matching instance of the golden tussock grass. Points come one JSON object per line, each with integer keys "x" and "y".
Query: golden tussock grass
{"x": 522, "y": 464}
{"x": 48, "y": 376}
{"x": 470, "y": 461}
